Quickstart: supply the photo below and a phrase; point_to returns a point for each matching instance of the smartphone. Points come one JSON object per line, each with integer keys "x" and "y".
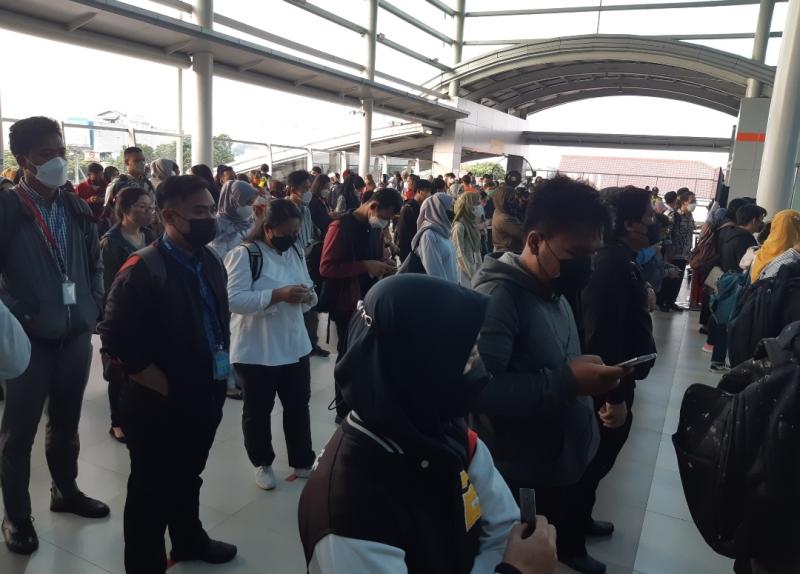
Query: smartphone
{"x": 638, "y": 360}
{"x": 527, "y": 509}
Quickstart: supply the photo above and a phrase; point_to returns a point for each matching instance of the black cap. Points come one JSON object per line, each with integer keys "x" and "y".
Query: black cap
{"x": 513, "y": 178}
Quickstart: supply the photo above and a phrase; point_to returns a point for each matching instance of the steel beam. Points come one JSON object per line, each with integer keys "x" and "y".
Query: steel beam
{"x": 760, "y": 42}
{"x": 614, "y": 8}
{"x": 442, "y": 6}
{"x": 369, "y": 73}
{"x": 391, "y": 8}
{"x": 458, "y": 45}
{"x": 731, "y": 36}
{"x": 628, "y": 141}
{"x": 412, "y": 54}
{"x": 322, "y": 13}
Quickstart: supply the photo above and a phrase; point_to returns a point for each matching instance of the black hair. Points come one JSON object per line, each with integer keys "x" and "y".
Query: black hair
{"x": 450, "y": 174}
{"x": 747, "y": 213}
{"x": 320, "y": 182}
{"x": 466, "y": 180}
{"x": 317, "y": 168}
{"x": 424, "y": 185}
{"x": 130, "y": 151}
{"x": 277, "y": 212}
{"x": 763, "y": 235}
{"x": 297, "y": 178}
{"x": 24, "y": 134}
{"x": 108, "y": 170}
{"x": 202, "y": 171}
{"x": 94, "y": 167}
{"x": 438, "y": 185}
{"x": 388, "y": 198}
{"x": 264, "y": 168}
{"x": 126, "y": 198}
{"x": 561, "y": 204}
{"x": 243, "y": 177}
{"x": 627, "y": 204}
{"x": 663, "y": 220}
{"x": 352, "y": 183}
{"x": 735, "y": 205}
{"x": 177, "y": 188}
{"x": 684, "y": 197}
{"x": 483, "y": 194}
{"x": 670, "y": 196}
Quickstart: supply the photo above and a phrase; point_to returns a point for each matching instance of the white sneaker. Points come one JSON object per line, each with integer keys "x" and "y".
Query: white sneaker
{"x": 265, "y": 478}
{"x": 302, "y": 472}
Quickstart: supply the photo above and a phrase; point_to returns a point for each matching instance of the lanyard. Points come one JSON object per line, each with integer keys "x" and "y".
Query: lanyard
{"x": 47, "y": 234}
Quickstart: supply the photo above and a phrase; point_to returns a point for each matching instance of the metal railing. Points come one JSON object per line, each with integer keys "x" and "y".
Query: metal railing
{"x": 703, "y": 187}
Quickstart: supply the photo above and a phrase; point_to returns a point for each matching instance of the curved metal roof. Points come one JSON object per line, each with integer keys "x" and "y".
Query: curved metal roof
{"x": 532, "y": 77}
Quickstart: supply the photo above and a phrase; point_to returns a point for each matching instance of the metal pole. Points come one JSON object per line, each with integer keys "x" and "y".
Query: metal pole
{"x": 203, "y": 66}
{"x": 367, "y": 103}
{"x": 179, "y": 141}
{"x": 458, "y": 45}
{"x": 2, "y": 134}
{"x": 779, "y": 162}
{"x": 760, "y": 42}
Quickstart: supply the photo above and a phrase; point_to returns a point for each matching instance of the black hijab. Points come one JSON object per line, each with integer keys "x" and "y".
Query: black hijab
{"x": 404, "y": 371}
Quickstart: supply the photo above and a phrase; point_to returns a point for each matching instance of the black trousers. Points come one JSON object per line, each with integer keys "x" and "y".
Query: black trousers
{"x": 569, "y": 508}
{"x": 168, "y": 440}
{"x": 57, "y": 374}
{"x": 342, "y": 330}
{"x": 115, "y": 376}
{"x": 292, "y": 384}
{"x": 671, "y": 286}
{"x": 311, "y": 319}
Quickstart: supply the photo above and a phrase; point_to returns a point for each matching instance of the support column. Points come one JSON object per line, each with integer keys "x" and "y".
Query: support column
{"x": 2, "y": 134}
{"x": 458, "y": 45}
{"x": 203, "y": 67}
{"x": 779, "y": 164}
{"x": 365, "y": 147}
{"x": 760, "y": 43}
{"x": 179, "y": 142}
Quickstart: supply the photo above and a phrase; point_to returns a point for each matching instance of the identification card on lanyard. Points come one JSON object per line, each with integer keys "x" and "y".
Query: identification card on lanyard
{"x": 68, "y": 293}
{"x": 222, "y": 364}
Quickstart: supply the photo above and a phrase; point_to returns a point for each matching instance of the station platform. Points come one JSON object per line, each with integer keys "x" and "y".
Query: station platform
{"x": 642, "y": 495}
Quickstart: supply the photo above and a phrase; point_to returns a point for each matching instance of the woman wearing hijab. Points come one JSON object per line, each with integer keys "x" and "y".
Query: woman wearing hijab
{"x": 161, "y": 169}
{"x": 431, "y": 244}
{"x": 467, "y": 237}
{"x": 403, "y": 485}
{"x": 235, "y": 215}
{"x": 781, "y": 247}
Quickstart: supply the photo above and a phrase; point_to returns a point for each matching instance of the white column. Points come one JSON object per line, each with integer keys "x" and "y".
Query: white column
{"x": 760, "y": 43}
{"x": 179, "y": 142}
{"x": 779, "y": 164}
{"x": 203, "y": 67}
{"x": 458, "y": 45}
{"x": 366, "y": 103}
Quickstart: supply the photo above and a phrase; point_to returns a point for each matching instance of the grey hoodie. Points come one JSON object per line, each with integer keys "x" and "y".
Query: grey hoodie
{"x": 538, "y": 431}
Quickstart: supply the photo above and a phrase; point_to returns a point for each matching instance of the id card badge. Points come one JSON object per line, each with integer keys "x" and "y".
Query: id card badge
{"x": 222, "y": 365}
{"x": 68, "y": 293}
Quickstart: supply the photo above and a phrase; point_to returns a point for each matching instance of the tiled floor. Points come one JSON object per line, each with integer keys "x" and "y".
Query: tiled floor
{"x": 642, "y": 495}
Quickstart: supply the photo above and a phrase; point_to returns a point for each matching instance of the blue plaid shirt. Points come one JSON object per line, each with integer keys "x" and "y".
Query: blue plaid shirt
{"x": 54, "y": 216}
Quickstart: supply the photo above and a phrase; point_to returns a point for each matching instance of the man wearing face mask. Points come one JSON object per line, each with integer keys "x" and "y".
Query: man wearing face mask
{"x": 167, "y": 325}
{"x": 536, "y": 415}
{"x": 51, "y": 278}
{"x": 352, "y": 262}
{"x": 93, "y": 190}
{"x": 616, "y": 316}
{"x": 135, "y": 175}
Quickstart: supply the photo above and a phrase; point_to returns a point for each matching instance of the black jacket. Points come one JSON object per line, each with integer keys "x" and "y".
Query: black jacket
{"x": 528, "y": 415}
{"x": 159, "y": 320}
{"x": 732, "y": 244}
{"x": 30, "y": 280}
{"x": 320, "y": 216}
{"x": 116, "y": 250}
{"x": 617, "y": 324}
{"x": 406, "y": 227}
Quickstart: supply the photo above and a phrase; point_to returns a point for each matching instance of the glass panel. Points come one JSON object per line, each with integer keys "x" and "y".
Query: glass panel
{"x": 93, "y": 144}
{"x": 285, "y": 160}
{"x": 162, "y": 147}
{"x": 243, "y": 157}
{"x": 328, "y": 161}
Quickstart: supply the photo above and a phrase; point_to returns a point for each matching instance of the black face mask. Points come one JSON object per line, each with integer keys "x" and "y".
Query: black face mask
{"x": 575, "y": 274}
{"x": 283, "y": 242}
{"x": 201, "y": 231}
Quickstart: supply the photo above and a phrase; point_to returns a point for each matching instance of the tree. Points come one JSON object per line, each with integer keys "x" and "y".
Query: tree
{"x": 222, "y": 154}
{"x": 485, "y": 168}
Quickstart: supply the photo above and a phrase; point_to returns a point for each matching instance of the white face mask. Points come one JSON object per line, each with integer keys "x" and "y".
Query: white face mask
{"x": 306, "y": 197}
{"x": 692, "y": 207}
{"x": 377, "y": 223}
{"x": 52, "y": 173}
{"x": 245, "y": 212}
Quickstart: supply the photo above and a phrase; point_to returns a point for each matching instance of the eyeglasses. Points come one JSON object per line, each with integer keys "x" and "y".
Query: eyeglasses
{"x": 144, "y": 207}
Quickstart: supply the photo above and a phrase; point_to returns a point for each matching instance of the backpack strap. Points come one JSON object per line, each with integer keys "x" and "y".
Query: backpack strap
{"x": 154, "y": 260}
{"x": 256, "y": 259}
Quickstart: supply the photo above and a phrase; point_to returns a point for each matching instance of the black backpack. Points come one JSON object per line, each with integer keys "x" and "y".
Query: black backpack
{"x": 738, "y": 450}
{"x": 760, "y": 312}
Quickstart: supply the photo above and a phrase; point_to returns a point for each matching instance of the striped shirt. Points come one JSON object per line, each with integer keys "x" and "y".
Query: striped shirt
{"x": 54, "y": 216}
{"x": 789, "y": 256}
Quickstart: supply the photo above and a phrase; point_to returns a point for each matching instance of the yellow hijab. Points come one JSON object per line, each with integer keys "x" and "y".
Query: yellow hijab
{"x": 784, "y": 233}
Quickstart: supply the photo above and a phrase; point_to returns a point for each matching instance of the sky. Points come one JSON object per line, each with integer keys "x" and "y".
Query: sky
{"x": 89, "y": 81}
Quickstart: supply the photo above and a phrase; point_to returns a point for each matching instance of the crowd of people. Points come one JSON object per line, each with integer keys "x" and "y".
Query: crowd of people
{"x": 210, "y": 285}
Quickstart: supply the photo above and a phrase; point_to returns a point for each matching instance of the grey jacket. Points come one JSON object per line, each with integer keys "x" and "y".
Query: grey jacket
{"x": 537, "y": 430}
{"x": 30, "y": 280}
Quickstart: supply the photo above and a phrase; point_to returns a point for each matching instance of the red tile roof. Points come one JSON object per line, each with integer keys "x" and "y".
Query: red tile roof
{"x": 666, "y": 174}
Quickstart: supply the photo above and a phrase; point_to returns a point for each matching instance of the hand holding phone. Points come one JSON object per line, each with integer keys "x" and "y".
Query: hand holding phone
{"x": 638, "y": 360}
{"x": 527, "y": 509}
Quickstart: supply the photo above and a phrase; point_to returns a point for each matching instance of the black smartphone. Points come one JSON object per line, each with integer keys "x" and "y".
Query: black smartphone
{"x": 527, "y": 509}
